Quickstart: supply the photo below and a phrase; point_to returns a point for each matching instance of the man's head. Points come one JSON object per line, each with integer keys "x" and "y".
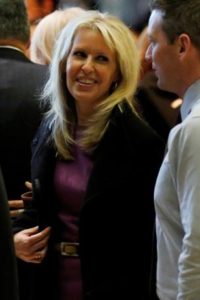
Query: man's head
{"x": 180, "y": 16}
{"x": 14, "y": 25}
{"x": 174, "y": 32}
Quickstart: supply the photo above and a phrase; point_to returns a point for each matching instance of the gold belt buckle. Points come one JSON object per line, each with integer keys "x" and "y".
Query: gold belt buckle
{"x": 69, "y": 249}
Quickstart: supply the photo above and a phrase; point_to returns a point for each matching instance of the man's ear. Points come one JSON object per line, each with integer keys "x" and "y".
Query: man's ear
{"x": 184, "y": 43}
{"x": 27, "y": 44}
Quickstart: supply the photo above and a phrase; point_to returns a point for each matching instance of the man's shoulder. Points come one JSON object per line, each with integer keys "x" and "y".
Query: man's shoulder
{"x": 187, "y": 132}
{"x": 15, "y": 59}
{"x": 39, "y": 72}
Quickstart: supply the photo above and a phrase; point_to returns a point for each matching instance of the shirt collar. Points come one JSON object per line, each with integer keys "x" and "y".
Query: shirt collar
{"x": 11, "y": 47}
{"x": 191, "y": 97}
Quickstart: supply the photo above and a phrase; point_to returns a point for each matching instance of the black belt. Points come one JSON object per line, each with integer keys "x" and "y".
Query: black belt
{"x": 68, "y": 249}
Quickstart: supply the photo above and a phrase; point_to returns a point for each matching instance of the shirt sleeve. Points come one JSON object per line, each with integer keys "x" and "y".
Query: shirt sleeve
{"x": 187, "y": 180}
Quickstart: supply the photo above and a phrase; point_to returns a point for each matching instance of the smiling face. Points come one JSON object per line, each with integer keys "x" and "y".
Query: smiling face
{"x": 163, "y": 55}
{"x": 91, "y": 70}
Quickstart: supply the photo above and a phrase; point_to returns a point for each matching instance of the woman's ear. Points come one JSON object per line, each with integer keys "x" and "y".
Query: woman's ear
{"x": 113, "y": 87}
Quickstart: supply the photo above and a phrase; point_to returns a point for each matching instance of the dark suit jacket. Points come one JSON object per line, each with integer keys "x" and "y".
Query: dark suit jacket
{"x": 20, "y": 115}
{"x": 8, "y": 269}
{"x": 117, "y": 218}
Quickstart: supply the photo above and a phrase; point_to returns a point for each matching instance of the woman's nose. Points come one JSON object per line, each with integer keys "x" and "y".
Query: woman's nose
{"x": 88, "y": 65}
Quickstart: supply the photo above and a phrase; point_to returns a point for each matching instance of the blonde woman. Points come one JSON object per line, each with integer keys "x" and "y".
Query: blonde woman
{"x": 94, "y": 166}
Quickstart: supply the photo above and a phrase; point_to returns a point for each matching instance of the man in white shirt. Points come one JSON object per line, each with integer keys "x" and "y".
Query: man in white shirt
{"x": 174, "y": 33}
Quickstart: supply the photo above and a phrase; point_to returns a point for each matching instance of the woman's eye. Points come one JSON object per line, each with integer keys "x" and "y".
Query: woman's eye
{"x": 102, "y": 58}
{"x": 79, "y": 54}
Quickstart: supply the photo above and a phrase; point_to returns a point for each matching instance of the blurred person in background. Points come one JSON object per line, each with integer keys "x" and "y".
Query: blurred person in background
{"x": 47, "y": 31}
{"x": 133, "y": 12}
{"x": 85, "y": 4}
{"x": 94, "y": 166}
{"x": 37, "y": 9}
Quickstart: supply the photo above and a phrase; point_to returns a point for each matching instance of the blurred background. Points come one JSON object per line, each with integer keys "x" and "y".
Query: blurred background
{"x": 134, "y": 13}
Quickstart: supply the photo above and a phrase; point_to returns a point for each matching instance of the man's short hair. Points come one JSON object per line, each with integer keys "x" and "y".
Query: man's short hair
{"x": 14, "y": 22}
{"x": 180, "y": 16}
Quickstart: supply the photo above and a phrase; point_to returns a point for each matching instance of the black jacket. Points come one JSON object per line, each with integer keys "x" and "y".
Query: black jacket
{"x": 117, "y": 218}
{"x": 21, "y": 82}
{"x": 8, "y": 266}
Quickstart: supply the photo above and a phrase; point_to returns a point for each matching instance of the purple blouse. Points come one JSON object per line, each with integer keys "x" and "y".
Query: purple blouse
{"x": 70, "y": 183}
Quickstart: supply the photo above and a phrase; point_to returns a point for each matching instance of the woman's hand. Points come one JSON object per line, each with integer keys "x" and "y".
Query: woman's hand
{"x": 31, "y": 244}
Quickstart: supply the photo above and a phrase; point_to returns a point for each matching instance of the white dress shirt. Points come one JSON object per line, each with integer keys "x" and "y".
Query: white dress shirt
{"x": 177, "y": 203}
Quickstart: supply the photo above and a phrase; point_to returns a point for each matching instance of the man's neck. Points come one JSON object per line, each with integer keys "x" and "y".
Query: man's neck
{"x": 12, "y": 43}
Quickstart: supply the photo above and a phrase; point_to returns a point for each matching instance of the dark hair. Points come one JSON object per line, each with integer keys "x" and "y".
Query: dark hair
{"x": 180, "y": 16}
{"x": 14, "y": 22}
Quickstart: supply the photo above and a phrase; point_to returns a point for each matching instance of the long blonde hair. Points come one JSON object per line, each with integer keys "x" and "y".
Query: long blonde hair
{"x": 62, "y": 109}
